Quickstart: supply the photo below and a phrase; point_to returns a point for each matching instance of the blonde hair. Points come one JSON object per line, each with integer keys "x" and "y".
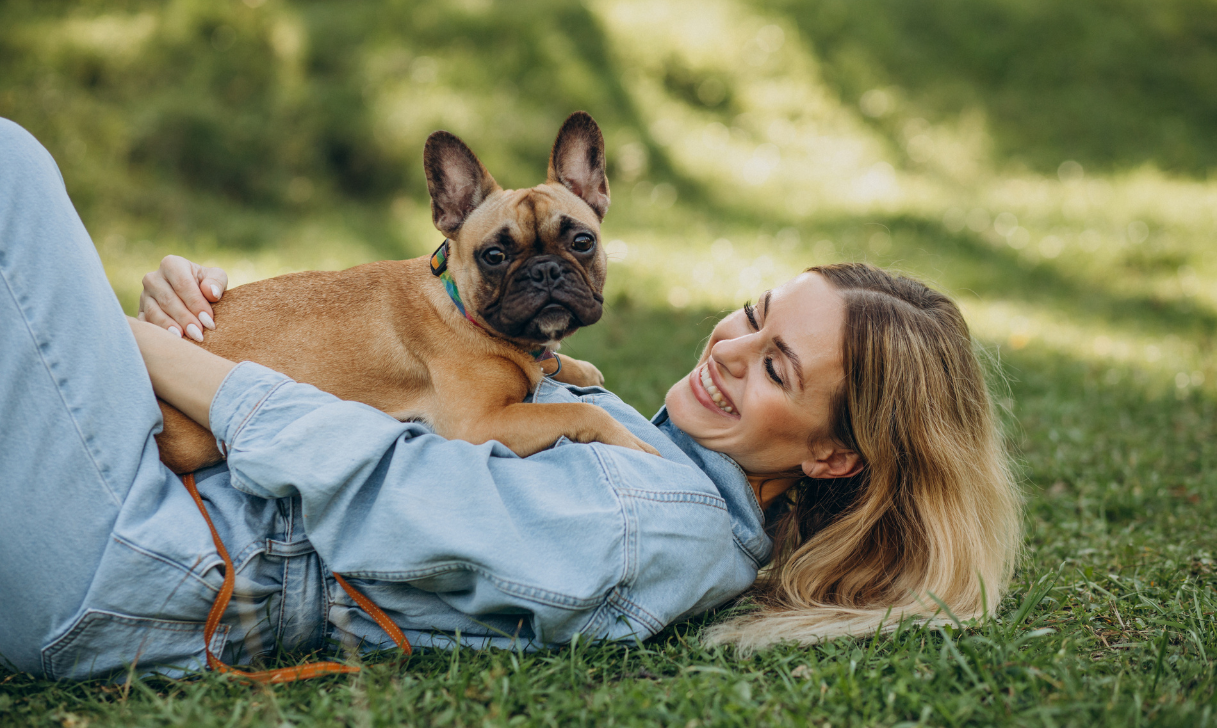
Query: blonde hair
{"x": 935, "y": 514}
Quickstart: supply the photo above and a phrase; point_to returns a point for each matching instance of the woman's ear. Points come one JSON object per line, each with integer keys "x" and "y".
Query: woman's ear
{"x": 832, "y": 462}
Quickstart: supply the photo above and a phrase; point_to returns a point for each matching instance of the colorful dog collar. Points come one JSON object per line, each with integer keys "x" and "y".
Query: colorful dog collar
{"x": 439, "y": 268}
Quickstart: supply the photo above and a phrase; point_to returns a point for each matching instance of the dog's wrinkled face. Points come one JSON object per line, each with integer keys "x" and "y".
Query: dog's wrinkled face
{"x": 533, "y": 265}
{"x": 528, "y": 263}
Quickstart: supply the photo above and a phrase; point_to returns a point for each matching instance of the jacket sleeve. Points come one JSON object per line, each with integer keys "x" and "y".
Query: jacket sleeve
{"x": 487, "y": 531}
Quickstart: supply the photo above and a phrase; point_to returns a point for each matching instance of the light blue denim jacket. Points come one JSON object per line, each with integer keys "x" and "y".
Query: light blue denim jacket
{"x": 451, "y": 538}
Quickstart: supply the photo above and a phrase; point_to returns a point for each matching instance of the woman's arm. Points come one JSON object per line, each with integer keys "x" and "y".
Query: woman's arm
{"x": 182, "y": 374}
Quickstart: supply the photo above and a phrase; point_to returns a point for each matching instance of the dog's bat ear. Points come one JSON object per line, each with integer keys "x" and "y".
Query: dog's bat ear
{"x": 577, "y": 161}
{"x": 457, "y": 181}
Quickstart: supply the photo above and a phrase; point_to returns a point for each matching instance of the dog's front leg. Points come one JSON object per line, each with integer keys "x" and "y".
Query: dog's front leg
{"x": 530, "y": 428}
{"x": 575, "y": 371}
{"x": 491, "y": 407}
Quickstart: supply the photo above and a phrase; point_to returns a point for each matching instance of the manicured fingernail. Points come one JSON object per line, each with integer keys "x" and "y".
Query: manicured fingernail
{"x": 175, "y": 331}
{"x": 207, "y": 321}
{"x": 193, "y": 332}
{"x": 215, "y": 291}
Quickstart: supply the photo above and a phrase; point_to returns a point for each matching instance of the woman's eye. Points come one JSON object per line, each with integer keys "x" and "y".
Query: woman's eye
{"x": 773, "y": 374}
{"x": 750, "y": 312}
{"x": 583, "y": 243}
{"x": 493, "y": 256}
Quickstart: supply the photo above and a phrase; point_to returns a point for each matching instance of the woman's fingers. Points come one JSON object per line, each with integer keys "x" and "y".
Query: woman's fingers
{"x": 185, "y": 279}
{"x": 212, "y": 282}
{"x": 157, "y": 289}
{"x": 150, "y": 311}
{"x": 178, "y": 296}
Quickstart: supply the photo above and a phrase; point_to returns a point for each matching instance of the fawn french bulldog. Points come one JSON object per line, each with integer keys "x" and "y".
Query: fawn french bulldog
{"x": 457, "y": 339}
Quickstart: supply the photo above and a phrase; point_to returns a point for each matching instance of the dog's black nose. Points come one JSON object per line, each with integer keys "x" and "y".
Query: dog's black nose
{"x": 545, "y": 272}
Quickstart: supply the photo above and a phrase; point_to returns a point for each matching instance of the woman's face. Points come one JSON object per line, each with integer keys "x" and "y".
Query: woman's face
{"x": 764, "y": 385}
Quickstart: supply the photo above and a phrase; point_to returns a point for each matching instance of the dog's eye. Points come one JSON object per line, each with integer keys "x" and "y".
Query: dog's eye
{"x": 493, "y": 256}
{"x": 583, "y": 243}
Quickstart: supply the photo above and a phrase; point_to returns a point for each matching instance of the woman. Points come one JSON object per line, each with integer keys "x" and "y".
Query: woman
{"x": 847, "y": 405}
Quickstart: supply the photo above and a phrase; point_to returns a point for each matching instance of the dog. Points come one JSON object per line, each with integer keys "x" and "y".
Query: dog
{"x": 456, "y": 340}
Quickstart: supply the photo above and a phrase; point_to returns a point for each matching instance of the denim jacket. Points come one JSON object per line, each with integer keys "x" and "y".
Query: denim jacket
{"x": 454, "y": 541}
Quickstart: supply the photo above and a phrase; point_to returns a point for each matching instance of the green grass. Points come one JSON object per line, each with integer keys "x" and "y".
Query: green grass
{"x": 1046, "y": 163}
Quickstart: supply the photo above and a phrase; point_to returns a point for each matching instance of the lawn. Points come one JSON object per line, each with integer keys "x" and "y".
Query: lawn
{"x": 1048, "y": 164}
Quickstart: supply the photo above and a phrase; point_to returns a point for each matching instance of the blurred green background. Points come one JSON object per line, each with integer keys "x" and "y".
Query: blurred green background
{"x": 1050, "y": 164}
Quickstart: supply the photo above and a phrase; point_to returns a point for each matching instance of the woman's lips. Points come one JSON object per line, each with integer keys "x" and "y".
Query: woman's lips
{"x": 704, "y": 395}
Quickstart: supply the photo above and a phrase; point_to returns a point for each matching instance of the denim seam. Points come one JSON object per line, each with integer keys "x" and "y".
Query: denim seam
{"x": 630, "y": 608}
{"x": 677, "y": 496}
{"x": 592, "y": 625}
{"x": 523, "y": 591}
{"x": 287, "y": 565}
{"x": 195, "y": 573}
{"x": 247, "y": 555}
{"x": 60, "y": 643}
{"x": 757, "y": 510}
{"x": 232, "y": 441}
{"x": 629, "y": 535}
{"x": 740, "y": 545}
{"x": 75, "y": 424}
{"x": 327, "y": 600}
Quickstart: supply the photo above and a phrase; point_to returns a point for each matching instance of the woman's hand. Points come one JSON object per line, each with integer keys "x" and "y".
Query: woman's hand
{"x": 178, "y": 296}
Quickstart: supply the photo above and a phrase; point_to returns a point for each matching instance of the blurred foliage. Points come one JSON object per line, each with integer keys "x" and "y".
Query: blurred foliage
{"x": 1044, "y": 162}
{"x": 1110, "y": 83}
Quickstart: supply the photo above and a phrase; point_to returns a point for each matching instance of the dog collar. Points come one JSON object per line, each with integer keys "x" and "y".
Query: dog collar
{"x": 439, "y": 269}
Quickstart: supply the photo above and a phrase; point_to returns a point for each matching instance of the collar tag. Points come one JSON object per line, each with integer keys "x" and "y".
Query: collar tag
{"x": 439, "y": 259}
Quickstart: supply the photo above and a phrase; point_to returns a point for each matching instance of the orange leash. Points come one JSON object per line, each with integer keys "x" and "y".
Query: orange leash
{"x": 282, "y": 674}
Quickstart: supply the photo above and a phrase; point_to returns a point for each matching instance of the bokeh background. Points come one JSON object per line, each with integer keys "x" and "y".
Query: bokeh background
{"x": 1050, "y": 164}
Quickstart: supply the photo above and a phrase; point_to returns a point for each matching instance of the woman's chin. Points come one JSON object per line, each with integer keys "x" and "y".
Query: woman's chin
{"x": 689, "y": 414}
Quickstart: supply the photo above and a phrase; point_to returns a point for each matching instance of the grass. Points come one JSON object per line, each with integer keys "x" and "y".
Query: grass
{"x": 1047, "y": 164}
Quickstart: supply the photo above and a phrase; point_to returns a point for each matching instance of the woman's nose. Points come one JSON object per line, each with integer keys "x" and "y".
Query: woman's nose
{"x": 732, "y": 355}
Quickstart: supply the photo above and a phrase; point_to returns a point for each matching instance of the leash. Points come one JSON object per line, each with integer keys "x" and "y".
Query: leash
{"x": 439, "y": 268}
{"x": 282, "y": 674}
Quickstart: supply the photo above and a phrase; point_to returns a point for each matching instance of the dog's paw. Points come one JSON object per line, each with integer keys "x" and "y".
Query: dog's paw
{"x": 579, "y": 373}
{"x": 632, "y": 441}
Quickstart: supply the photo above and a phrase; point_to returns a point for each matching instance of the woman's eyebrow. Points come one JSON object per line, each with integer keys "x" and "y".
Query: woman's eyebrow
{"x": 793, "y": 357}
{"x": 768, "y": 295}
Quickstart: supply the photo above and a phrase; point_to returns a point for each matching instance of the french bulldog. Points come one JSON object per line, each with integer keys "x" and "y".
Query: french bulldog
{"x": 458, "y": 339}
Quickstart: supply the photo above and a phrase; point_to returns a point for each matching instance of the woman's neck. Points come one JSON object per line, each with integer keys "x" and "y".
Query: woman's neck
{"x": 768, "y": 487}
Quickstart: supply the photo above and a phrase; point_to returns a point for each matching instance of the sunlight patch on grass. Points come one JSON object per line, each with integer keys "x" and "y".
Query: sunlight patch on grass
{"x": 1163, "y": 363}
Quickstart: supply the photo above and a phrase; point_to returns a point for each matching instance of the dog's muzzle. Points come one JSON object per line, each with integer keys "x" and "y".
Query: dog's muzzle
{"x": 545, "y": 300}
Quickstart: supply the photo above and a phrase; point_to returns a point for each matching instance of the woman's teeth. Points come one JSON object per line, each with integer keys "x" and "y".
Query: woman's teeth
{"x": 715, "y": 395}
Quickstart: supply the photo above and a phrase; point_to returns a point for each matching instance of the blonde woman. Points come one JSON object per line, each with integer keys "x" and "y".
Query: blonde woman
{"x": 836, "y": 439}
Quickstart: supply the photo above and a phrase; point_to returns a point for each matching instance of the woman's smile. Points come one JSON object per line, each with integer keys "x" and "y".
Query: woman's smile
{"x": 763, "y": 388}
{"x": 706, "y": 388}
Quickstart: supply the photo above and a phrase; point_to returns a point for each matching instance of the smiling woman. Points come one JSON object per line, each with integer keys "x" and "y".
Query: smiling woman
{"x": 766, "y": 379}
{"x": 908, "y": 507}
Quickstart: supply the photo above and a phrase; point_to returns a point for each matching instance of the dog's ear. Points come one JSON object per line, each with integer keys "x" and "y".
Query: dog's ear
{"x": 457, "y": 181}
{"x": 577, "y": 161}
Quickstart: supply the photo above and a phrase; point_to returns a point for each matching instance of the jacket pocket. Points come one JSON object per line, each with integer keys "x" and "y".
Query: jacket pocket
{"x": 101, "y": 643}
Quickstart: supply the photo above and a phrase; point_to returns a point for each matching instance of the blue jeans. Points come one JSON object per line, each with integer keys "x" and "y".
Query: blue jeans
{"x": 79, "y": 415}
